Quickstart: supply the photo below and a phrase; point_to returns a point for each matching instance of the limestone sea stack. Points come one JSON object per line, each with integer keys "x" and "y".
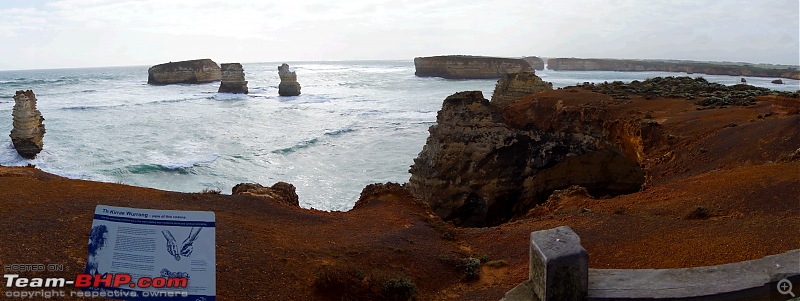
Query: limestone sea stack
{"x": 468, "y": 67}
{"x": 289, "y": 85}
{"x": 515, "y": 86}
{"x": 233, "y": 79}
{"x": 184, "y": 72}
{"x": 28, "y": 130}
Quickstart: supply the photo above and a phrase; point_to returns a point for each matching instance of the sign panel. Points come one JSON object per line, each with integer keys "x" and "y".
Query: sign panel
{"x": 143, "y": 254}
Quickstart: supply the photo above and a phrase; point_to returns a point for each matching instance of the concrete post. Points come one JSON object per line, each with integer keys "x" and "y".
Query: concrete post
{"x": 559, "y": 265}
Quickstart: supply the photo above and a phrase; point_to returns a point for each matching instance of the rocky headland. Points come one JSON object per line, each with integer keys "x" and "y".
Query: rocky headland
{"x": 184, "y": 72}
{"x": 289, "y": 85}
{"x": 711, "y": 68}
{"x": 660, "y": 184}
{"x": 28, "y": 130}
{"x": 485, "y": 163}
{"x": 233, "y": 79}
{"x": 468, "y": 67}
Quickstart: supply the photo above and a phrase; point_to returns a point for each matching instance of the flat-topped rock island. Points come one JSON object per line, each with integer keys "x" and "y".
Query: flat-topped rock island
{"x": 468, "y": 67}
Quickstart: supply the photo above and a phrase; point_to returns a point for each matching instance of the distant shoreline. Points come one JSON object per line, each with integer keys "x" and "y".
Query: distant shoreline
{"x": 690, "y": 67}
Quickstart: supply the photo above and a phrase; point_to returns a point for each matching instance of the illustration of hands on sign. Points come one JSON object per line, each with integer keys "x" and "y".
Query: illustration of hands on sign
{"x": 186, "y": 248}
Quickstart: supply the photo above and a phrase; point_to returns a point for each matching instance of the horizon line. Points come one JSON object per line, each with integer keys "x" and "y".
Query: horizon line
{"x": 411, "y": 59}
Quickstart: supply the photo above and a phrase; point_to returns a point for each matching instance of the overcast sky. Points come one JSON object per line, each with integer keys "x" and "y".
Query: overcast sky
{"x": 85, "y": 33}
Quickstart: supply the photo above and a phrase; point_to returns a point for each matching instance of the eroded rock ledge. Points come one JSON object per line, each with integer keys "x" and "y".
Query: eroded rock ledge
{"x": 468, "y": 67}
{"x": 184, "y": 72}
{"x": 281, "y": 192}
{"x": 483, "y": 165}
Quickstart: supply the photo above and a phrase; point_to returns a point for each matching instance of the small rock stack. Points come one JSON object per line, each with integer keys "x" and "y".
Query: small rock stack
{"x": 233, "y": 79}
{"x": 289, "y": 85}
{"x": 514, "y": 86}
{"x": 28, "y": 128}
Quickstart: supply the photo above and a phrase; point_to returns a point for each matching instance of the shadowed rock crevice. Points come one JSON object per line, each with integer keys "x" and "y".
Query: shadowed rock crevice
{"x": 484, "y": 165}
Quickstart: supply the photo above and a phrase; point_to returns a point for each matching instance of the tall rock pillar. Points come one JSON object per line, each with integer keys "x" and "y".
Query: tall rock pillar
{"x": 28, "y": 128}
{"x": 289, "y": 85}
{"x": 233, "y": 79}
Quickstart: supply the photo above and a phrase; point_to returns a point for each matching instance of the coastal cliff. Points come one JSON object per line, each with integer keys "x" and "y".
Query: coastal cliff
{"x": 484, "y": 164}
{"x": 468, "y": 67}
{"x": 578, "y": 64}
{"x": 184, "y": 72}
{"x": 28, "y": 130}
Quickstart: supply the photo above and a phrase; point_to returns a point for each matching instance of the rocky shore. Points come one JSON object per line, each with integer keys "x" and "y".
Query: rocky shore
{"x": 468, "y": 67}
{"x": 643, "y": 177}
{"x": 579, "y": 64}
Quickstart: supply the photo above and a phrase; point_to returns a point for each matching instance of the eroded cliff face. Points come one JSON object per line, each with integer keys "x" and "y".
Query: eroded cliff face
{"x": 483, "y": 165}
{"x": 578, "y": 64}
{"x": 515, "y": 86}
{"x": 28, "y": 130}
{"x": 468, "y": 67}
{"x": 233, "y": 79}
{"x": 184, "y": 72}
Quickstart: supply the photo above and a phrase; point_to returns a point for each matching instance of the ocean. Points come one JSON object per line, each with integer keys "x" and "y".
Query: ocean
{"x": 354, "y": 124}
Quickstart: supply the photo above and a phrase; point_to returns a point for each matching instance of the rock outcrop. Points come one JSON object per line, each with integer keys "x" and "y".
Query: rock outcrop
{"x": 483, "y": 165}
{"x": 282, "y": 192}
{"x": 184, "y": 72}
{"x": 698, "y": 90}
{"x": 536, "y": 62}
{"x": 233, "y": 79}
{"x": 515, "y": 86}
{"x": 578, "y": 64}
{"x": 289, "y": 85}
{"x": 28, "y": 130}
{"x": 777, "y": 82}
{"x": 468, "y": 67}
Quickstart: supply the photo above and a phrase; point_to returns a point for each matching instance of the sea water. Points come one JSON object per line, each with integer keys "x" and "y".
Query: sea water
{"x": 355, "y": 123}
